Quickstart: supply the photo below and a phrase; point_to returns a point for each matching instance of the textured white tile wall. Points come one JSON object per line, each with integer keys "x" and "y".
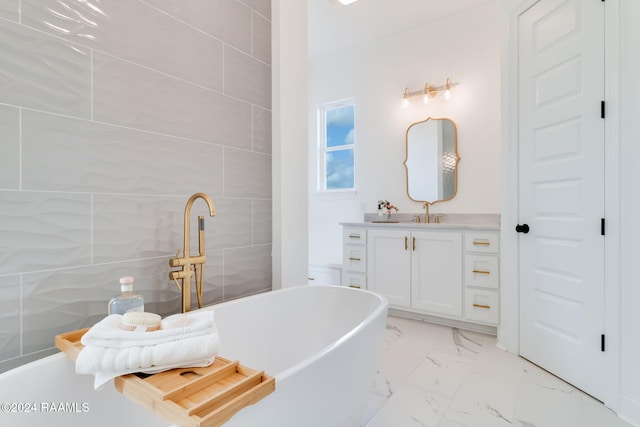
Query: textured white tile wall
{"x": 9, "y": 9}
{"x": 111, "y": 115}
{"x": 10, "y": 155}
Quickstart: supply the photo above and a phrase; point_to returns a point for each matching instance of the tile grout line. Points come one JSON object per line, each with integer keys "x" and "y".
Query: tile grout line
{"x": 20, "y": 149}
{"x": 91, "y": 86}
{"x": 21, "y": 308}
{"x": 91, "y": 229}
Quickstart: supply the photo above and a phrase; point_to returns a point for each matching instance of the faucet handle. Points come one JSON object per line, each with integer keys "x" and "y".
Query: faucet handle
{"x": 177, "y": 284}
{"x": 175, "y": 261}
{"x": 417, "y": 218}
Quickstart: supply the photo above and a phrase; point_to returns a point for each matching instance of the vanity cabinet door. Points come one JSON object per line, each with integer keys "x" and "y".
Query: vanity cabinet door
{"x": 436, "y": 272}
{"x": 389, "y": 265}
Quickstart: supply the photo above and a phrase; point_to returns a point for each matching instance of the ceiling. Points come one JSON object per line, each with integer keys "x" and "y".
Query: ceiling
{"x": 333, "y": 27}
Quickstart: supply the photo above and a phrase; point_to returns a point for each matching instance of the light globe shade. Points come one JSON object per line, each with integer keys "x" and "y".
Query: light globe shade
{"x": 343, "y": 2}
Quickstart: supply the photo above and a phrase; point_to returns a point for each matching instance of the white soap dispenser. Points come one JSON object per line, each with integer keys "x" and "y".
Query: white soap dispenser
{"x": 127, "y": 300}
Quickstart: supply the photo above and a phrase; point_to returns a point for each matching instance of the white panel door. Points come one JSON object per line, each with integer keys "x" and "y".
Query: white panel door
{"x": 436, "y": 272}
{"x": 561, "y": 189}
{"x": 389, "y": 265}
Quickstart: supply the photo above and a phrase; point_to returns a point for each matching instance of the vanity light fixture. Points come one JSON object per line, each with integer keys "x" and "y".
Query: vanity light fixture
{"x": 405, "y": 98}
{"x": 447, "y": 90}
{"x": 343, "y": 2}
{"x": 429, "y": 92}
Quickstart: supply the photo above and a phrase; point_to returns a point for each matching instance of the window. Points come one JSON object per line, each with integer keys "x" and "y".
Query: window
{"x": 337, "y": 137}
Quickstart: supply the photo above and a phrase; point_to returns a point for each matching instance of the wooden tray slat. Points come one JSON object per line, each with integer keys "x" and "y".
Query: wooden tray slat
{"x": 190, "y": 397}
{"x": 226, "y": 396}
{"x": 224, "y": 413}
{"x": 69, "y": 343}
{"x": 203, "y": 381}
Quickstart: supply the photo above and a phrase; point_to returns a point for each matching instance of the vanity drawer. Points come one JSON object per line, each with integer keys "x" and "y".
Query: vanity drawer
{"x": 324, "y": 275}
{"x": 354, "y": 280}
{"x": 354, "y": 236}
{"x": 354, "y": 258}
{"x": 482, "y": 306}
{"x": 481, "y": 242}
{"x": 481, "y": 271}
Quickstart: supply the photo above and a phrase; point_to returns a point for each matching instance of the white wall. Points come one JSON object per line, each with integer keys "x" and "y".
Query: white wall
{"x": 629, "y": 88}
{"x": 107, "y": 126}
{"x": 289, "y": 148}
{"x": 465, "y": 47}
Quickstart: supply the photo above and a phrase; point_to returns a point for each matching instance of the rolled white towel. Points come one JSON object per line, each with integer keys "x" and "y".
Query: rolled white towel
{"x": 177, "y": 327}
{"x": 107, "y": 363}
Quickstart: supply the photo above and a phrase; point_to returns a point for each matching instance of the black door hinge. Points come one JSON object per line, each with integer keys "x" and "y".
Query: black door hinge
{"x": 602, "y": 109}
{"x": 602, "y": 226}
{"x": 602, "y": 342}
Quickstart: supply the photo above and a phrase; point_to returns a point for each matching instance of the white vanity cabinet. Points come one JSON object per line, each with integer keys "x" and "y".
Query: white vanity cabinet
{"x": 434, "y": 271}
{"x": 481, "y": 274}
{"x": 416, "y": 269}
{"x": 389, "y": 265}
{"x": 324, "y": 275}
{"x": 354, "y": 257}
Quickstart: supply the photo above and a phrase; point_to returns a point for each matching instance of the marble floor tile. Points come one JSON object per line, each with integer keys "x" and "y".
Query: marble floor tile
{"x": 437, "y": 376}
{"x": 411, "y": 406}
{"x": 487, "y": 398}
{"x": 441, "y": 373}
{"x": 448, "y": 423}
{"x": 393, "y": 372}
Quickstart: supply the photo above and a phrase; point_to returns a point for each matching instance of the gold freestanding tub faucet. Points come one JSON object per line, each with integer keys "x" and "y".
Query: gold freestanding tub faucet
{"x": 191, "y": 265}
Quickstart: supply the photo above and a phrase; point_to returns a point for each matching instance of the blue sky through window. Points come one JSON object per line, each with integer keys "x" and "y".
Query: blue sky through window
{"x": 339, "y": 163}
{"x": 340, "y": 126}
{"x": 340, "y": 169}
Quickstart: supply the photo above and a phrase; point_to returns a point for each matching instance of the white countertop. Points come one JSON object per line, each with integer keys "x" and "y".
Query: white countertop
{"x": 489, "y": 222}
{"x": 434, "y": 226}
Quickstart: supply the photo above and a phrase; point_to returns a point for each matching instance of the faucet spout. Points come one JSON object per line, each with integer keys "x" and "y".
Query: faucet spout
{"x": 191, "y": 265}
{"x": 426, "y": 212}
{"x": 187, "y": 220}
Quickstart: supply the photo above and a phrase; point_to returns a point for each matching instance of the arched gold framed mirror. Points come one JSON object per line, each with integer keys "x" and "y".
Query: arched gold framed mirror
{"x": 432, "y": 161}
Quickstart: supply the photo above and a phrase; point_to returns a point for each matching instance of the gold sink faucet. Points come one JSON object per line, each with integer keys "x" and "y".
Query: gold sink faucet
{"x": 187, "y": 261}
{"x": 426, "y": 212}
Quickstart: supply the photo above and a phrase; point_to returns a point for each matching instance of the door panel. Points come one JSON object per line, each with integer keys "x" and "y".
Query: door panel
{"x": 436, "y": 272}
{"x": 561, "y": 188}
{"x": 389, "y": 265}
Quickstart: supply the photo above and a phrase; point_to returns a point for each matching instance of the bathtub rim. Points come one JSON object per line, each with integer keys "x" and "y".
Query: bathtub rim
{"x": 382, "y": 307}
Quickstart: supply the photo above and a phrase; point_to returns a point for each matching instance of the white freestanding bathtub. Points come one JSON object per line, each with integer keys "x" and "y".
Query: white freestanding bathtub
{"x": 321, "y": 343}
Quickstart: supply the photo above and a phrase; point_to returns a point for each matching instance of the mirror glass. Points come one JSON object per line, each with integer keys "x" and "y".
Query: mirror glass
{"x": 432, "y": 160}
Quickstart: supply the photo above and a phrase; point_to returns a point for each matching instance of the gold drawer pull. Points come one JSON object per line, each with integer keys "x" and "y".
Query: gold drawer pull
{"x": 477, "y": 242}
{"x": 354, "y": 236}
{"x": 481, "y": 306}
{"x": 355, "y": 259}
{"x": 481, "y": 272}
{"x": 406, "y": 243}
{"x": 414, "y": 243}
{"x": 354, "y": 286}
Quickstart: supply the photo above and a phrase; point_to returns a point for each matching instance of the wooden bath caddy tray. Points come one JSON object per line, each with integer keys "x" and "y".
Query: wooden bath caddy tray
{"x": 192, "y": 397}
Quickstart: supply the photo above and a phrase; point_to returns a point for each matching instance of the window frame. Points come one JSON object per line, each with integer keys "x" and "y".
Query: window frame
{"x": 324, "y": 150}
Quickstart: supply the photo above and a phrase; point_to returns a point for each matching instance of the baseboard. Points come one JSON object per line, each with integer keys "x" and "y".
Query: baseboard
{"x": 630, "y": 410}
{"x": 485, "y": 329}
